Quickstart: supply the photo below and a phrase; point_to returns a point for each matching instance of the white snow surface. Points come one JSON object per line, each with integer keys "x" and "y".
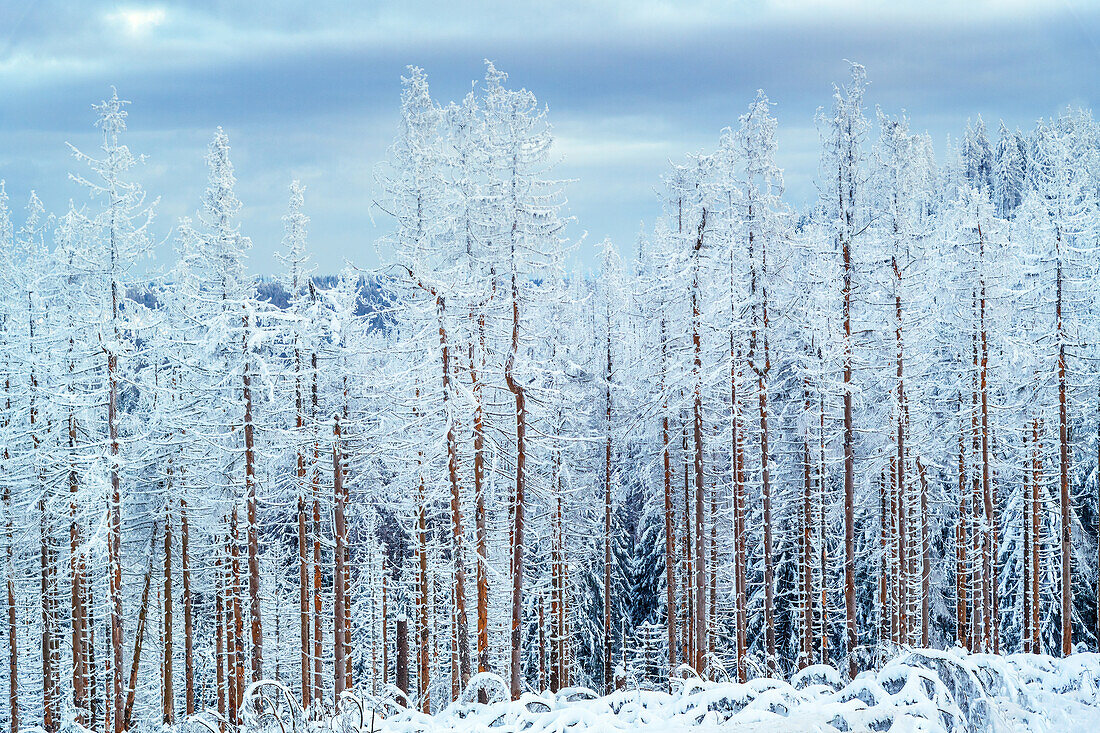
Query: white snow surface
{"x": 921, "y": 690}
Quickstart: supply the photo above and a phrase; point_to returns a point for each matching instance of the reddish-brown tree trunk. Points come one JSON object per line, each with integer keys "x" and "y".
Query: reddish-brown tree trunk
{"x": 849, "y": 455}
{"x": 1063, "y": 483}
{"x": 1036, "y": 540}
{"x": 303, "y": 591}
{"x": 542, "y": 643}
{"x": 670, "y": 532}
{"x": 339, "y": 631}
{"x": 961, "y": 544}
{"x": 385, "y": 628}
{"x": 479, "y": 506}
{"x": 458, "y": 534}
{"x": 9, "y": 572}
{"x": 221, "y": 659}
{"x": 50, "y": 710}
{"x": 737, "y": 455}
{"x": 114, "y": 523}
{"x": 807, "y": 551}
{"x": 139, "y": 633}
{"x": 688, "y": 644}
{"x": 926, "y": 568}
{"x": 403, "y": 656}
{"x": 821, "y": 485}
{"x": 608, "y": 682}
{"x": 697, "y": 413}
{"x": 167, "y": 693}
{"x": 518, "y": 527}
{"x": 254, "y": 611}
{"x": 188, "y": 621}
{"x": 887, "y": 609}
{"x": 9, "y": 577}
{"x": 1025, "y": 634}
{"x": 422, "y": 628}
{"x": 238, "y": 615}
{"x": 76, "y": 571}
{"x": 315, "y": 494}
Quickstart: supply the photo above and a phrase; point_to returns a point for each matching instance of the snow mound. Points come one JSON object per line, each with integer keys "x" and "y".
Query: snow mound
{"x": 927, "y": 691}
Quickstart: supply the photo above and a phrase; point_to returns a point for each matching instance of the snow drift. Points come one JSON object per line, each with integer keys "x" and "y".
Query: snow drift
{"x": 921, "y": 690}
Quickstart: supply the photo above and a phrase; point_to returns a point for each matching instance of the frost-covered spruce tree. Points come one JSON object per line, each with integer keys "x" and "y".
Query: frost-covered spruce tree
{"x": 118, "y": 228}
{"x": 1066, "y": 200}
{"x": 843, "y": 131}
{"x": 422, "y": 260}
{"x": 221, "y": 302}
{"x": 762, "y": 214}
{"x": 300, "y": 338}
{"x": 526, "y": 233}
{"x": 7, "y": 474}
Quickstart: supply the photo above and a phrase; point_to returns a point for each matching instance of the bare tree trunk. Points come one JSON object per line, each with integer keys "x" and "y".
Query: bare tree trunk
{"x": 188, "y": 635}
{"x": 385, "y": 629}
{"x": 238, "y": 615}
{"x": 49, "y": 689}
{"x": 900, "y": 463}
{"x": 1063, "y": 445}
{"x": 807, "y": 550}
{"x": 1036, "y": 544}
{"x": 315, "y": 494}
{"x": 849, "y": 470}
{"x": 254, "y": 611}
{"x": 738, "y": 509}
{"x": 542, "y": 643}
{"x": 688, "y": 643}
{"x": 76, "y": 570}
{"x": 821, "y": 486}
{"x": 422, "y": 628}
{"x": 455, "y": 690}
{"x": 167, "y": 694}
{"x": 697, "y": 410}
{"x": 339, "y": 631}
{"x": 979, "y": 578}
{"x": 961, "y": 544}
{"x": 114, "y": 524}
{"x": 9, "y": 573}
{"x": 458, "y": 550}
{"x": 1025, "y": 634}
{"x": 303, "y": 558}
{"x": 926, "y": 568}
{"x": 303, "y": 590}
{"x": 759, "y": 334}
{"x": 49, "y": 685}
{"x": 139, "y": 633}
{"x": 741, "y": 542}
{"x": 557, "y": 607}
{"x": 847, "y": 205}
{"x": 479, "y": 506}
{"x": 221, "y": 658}
{"x": 607, "y": 681}
{"x": 670, "y": 532}
{"x": 521, "y": 481}
{"x": 567, "y": 630}
{"x": 712, "y": 605}
{"x": 987, "y": 493}
{"x": 403, "y": 656}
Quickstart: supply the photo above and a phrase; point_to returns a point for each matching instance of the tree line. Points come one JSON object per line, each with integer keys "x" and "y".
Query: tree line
{"x": 772, "y": 437}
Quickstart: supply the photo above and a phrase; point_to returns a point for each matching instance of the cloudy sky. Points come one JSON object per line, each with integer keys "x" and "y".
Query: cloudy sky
{"x": 310, "y": 89}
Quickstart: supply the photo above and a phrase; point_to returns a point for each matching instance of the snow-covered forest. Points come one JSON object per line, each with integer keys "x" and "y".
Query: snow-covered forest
{"x": 759, "y": 438}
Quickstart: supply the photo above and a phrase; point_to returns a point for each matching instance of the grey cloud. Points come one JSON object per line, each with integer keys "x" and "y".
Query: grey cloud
{"x": 315, "y": 94}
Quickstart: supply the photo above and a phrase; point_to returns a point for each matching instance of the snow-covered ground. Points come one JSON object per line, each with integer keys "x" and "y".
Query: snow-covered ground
{"x": 921, "y": 690}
